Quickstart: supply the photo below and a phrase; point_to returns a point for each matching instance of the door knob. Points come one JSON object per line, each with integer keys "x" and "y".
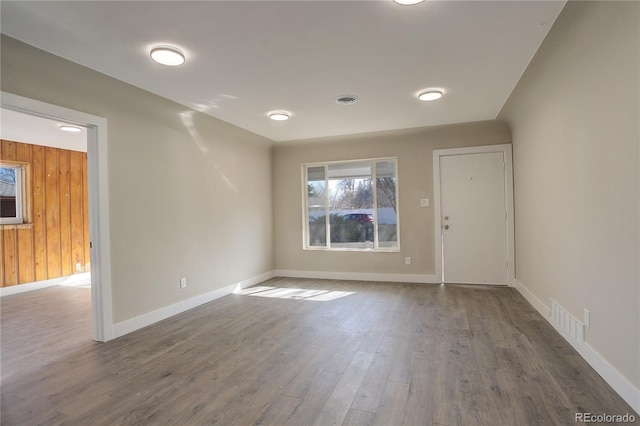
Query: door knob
{"x": 446, "y": 227}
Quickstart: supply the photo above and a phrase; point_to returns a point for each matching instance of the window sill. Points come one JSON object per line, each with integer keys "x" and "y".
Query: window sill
{"x": 362, "y": 250}
{"x": 9, "y": 227}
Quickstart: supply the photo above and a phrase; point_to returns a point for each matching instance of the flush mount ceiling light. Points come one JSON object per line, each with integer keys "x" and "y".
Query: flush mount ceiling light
{"x": 279, "y": 115}
{"x": 167, "y": 55}
{"x": 71, "y": 129}
{"x": 430, "y": 95}
{"x": 346, "y": 100}
{"x": 408, "y": 2}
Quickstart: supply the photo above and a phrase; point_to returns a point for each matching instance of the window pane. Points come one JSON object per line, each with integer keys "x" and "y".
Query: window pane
{"x": 346, "y": 209}
{"x": 386, "y": 208}
{"x": 351, "y": 205}
{"x": 317, "y": 211}
{"x": 8, "y": 185}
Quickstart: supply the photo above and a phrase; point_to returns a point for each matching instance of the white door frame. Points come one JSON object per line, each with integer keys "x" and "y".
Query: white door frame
{"x": 505, "y": 149}
{"x": 98, "y": 178}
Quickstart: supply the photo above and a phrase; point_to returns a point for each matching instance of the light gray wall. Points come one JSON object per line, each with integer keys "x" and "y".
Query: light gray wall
{"x": 575, "y": 122}
{"x": 414, "y": 150}
{"x": 190, "y": 196}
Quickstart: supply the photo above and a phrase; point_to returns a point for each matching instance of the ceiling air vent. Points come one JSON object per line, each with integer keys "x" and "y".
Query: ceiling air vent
{"x": 346, "y": 100}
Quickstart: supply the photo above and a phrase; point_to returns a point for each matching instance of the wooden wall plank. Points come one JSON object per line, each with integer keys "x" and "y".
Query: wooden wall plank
{"x": 23, "y": 152}
{"x": 26, "y": 261}
{"x": 2, "y": 260}
{"x": 4, "y": 154}
{"x": 65, "y": 215}
{"x": 8, "y": 151}
{"x": 52, "y": 208}
{"x": 77, "y": 207}
{"x": 38, "y": 206}
{"x": 10, "y": 256}
{"x": 85, "y": 214}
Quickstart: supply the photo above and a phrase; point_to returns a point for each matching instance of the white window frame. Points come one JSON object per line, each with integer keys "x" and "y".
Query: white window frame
{"x": 305, "y": 207}
{"x": 19, "y": 217}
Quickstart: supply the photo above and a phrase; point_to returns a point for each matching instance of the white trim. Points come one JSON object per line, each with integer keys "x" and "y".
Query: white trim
{"x": 611, "y": 375}
{"x": 358, "y": 276}
{"x": 38, "y": 285}
{"x": 532, "y": 299}
{"x": 23, "y": 288}
{"x": 144, "y": 320}
{"x": 19, "y": 171}
{"x": 241, "y": 285}
{"x": 506, "y": 151}
{"x": 608, "y": 372}
{"x": 97, "y": 155}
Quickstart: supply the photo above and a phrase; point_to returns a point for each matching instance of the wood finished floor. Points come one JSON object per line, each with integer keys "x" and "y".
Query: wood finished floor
{"x": 388, "y": 354}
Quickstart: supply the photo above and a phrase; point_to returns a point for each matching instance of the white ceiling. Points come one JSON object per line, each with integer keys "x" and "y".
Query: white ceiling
{"x": 27, "y": 128}
{"x": 247, "y": 58}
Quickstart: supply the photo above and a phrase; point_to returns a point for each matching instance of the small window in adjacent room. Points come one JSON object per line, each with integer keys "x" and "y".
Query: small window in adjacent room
{"x": 351, "y": 205}
{"x": 11, "y": 194}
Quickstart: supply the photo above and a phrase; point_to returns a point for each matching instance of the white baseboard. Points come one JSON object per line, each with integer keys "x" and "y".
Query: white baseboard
{"x": 532, "y": 299}
{"x": 358, "y": 276}
{"x": 608, "y": 372}
{"x": 22, "y": 288}
{"x": 254, "y": 280}
{"x": 144, "y": 320}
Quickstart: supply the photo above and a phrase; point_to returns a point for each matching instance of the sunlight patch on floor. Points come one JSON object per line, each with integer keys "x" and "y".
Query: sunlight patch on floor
{"x": 78, "y": 280}
{"x": 294, "y": 293}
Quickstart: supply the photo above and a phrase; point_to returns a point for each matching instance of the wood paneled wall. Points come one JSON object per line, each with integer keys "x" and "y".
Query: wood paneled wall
{"x": 54, "y": 241}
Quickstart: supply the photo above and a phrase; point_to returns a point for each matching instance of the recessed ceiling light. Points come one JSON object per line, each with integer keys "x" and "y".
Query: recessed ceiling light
{"x": 430, "y": 95}
{"x": 346, "y": 100}
{"x": 72, "y": 129}
{"x": 167, "y": 55}
{"x": 408, "y": 2}
{"x": 279, "y": 115}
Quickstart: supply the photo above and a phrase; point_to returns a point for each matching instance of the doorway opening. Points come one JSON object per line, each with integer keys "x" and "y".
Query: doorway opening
{"x": 97, "y": 259}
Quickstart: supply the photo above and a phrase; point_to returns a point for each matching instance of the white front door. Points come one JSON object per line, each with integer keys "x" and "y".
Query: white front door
{"x": 474, "y": 218}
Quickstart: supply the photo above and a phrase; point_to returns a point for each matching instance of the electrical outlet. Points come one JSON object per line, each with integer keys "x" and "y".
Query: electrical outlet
{"x": 424, "y": 202}
{"x": 183, "y": 282}
{"x": 407, "y": 260}
{"x": 78, "y": 266}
